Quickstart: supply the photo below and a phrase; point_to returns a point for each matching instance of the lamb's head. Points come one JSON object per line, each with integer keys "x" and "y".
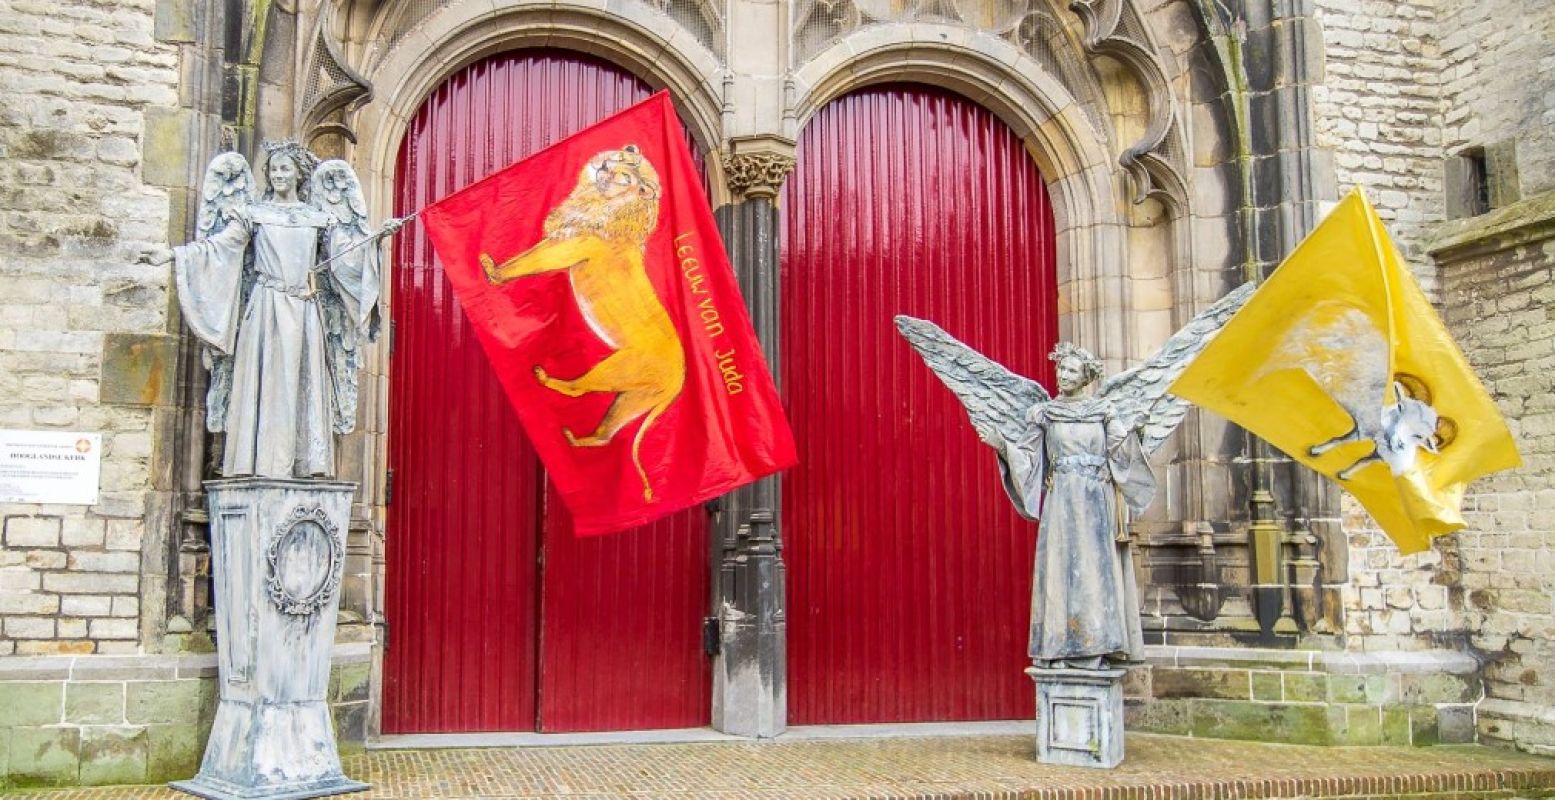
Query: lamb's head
{"x": 1409, "y": 425}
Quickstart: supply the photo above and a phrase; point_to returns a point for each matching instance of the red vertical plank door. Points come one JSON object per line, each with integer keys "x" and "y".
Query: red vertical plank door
{"x": 909, "y": 571}
{"x": 499, "y": 618}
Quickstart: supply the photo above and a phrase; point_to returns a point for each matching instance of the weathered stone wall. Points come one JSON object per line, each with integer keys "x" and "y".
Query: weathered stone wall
{"x": 1305, "y": 696}
{"x": 83, "y": 324}
{"x": 1408, "y": 86}
{"x": 1497, "y": 59}
{"x": 1498, "y": 292}
{"x": 1378, "y": 108}
{"x": 1497, "y": 275}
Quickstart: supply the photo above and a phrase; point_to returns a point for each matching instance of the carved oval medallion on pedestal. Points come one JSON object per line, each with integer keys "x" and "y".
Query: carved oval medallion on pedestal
{"x": 304, "y": 562}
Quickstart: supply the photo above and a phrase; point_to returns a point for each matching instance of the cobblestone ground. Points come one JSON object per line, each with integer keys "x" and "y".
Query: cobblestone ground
{"x": 1157, "y": 768}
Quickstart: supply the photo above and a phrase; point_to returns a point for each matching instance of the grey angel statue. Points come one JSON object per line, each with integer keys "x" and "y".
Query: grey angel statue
{"x": 1069, "y": 462}
{"x": 282, "y": 290}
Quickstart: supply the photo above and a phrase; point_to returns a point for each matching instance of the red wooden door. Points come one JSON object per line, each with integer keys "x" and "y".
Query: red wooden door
{"x": 909, "y": 572}
{"x": 499, "y": 618}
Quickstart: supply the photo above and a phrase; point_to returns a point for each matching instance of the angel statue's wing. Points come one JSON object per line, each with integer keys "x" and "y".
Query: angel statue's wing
{"x": 348, "y": 295}
{"x": 1139, "y": 395}
{"x": 228, "y": 186}
{"x": 337, "y": 191}
{"x": 995, "y": 398}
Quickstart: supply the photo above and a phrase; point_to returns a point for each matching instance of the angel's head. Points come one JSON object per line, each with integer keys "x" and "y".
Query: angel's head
{"x": 1076, "y": 367}
{"x": 288, "y": 170}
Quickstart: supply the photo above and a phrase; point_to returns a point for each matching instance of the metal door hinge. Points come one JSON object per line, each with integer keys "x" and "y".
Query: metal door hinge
{"x": 388, "y": 487}
{"x": 711, "y": 635}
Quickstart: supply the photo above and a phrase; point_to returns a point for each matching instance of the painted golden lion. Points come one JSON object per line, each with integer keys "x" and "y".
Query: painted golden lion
{"x": 597, "y": 234}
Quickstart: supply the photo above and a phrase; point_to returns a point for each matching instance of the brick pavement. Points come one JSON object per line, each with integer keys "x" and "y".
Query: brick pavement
{"x": 1158, "y": 768}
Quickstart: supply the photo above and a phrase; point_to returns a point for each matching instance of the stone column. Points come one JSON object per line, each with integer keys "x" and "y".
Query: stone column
{"x": 750, "y": 670}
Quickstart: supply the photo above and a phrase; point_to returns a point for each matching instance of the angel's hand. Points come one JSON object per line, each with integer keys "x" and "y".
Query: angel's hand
{"x": 155, "y": 255}
{"x": 391, "y": 226}
{"x": 989, "y": 436}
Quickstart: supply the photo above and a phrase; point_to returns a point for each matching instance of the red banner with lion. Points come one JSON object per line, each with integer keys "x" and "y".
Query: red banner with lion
{"x": 596, "y": 280}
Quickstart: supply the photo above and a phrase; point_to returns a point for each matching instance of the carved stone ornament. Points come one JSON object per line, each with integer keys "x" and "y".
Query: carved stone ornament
{"x": 304, "y": 562}
{"x": 758, "y": 174}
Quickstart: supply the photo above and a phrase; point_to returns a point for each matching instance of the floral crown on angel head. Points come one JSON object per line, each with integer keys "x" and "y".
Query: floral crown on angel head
{"x": 304, "y": 158}
{"x": 1088, "y": 362}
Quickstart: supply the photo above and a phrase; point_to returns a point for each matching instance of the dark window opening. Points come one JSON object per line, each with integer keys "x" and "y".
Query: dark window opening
{"x": 1477, "y": 181}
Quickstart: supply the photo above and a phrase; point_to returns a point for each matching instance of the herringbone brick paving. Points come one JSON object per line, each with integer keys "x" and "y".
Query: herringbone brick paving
{"x": 1157, "y": 768}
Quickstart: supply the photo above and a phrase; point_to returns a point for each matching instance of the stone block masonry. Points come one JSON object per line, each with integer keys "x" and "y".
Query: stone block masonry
{"x": 1378, "y": 110}
{"x": 81, "y": 314}
{"x": 1499, "y": 300}
{"x": 1306, "y": 697}
{"x": 95, "y": 720}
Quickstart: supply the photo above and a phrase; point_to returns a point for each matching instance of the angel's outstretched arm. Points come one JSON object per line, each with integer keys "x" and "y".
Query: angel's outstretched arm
{"x": 209, "y": 277}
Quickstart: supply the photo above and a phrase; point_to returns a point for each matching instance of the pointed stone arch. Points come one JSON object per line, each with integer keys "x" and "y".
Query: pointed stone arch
{"x": 1083, "y": 180}
{"x": 649, "y": 44}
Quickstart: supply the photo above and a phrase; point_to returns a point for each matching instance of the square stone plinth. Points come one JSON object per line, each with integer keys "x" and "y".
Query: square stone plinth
{"x": 1079, "y": 716}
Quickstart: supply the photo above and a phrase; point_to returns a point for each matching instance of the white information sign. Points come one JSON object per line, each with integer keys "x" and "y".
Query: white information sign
{"x": 50, "y": 467}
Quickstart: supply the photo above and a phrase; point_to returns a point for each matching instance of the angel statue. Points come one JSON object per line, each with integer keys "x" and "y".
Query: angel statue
{"x": 283, "y": 291}
{"x": 1068, "y": 462}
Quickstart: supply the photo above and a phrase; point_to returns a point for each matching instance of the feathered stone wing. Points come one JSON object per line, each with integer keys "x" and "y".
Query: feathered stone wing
{"x": 995, "y": 398}
{"x": 348, "y": 293}
{"x": 1139, "y": 395}
{"x": 228, "y": 186}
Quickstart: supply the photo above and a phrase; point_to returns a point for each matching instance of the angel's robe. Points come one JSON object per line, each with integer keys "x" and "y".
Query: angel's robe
{"x": 1067, "y": 470}
{"x": 284, "y": 404}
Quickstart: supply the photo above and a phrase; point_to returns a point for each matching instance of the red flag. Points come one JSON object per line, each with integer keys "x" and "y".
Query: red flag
{"x": 598, "y": 285}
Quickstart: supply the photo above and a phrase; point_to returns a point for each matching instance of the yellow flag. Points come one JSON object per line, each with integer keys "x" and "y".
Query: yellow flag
{"x": 1339, "y": 360}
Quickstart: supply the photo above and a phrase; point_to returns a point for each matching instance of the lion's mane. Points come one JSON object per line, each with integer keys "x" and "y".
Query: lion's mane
{"x": 587, "y": 212}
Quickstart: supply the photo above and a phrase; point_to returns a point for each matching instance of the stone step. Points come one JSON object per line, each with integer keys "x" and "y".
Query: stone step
{"x": 1156, "y": 768}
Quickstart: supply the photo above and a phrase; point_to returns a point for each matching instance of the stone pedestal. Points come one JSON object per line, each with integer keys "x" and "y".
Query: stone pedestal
{"x": 277, "y": 553}
{"x": 1079, "y": 716}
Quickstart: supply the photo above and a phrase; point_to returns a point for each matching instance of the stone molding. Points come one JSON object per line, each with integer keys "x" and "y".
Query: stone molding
{"x": 329, "y": 85}
{"x": 1449, "y": 662}
{"x": 756, "y": 166}
{"x": 152, "y": 666}
{"x": 1526, "y": 221}
{"x": 1154, "y": 163}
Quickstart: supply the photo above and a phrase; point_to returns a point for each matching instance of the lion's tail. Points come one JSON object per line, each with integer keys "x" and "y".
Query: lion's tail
{"x": 637, "y": 442}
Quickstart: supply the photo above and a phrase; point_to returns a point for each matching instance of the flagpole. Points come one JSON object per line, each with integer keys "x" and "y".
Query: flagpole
{"x": 379, "y": 236}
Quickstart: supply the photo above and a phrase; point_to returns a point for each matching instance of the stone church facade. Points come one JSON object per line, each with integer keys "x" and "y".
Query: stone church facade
{"x": 1186, "y": 146}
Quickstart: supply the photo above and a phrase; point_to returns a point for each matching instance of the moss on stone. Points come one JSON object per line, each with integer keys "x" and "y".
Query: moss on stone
{"x": 113, "y": 754}
{"x": 1226, "y": 684}
{"x": 32, "y": 702}
{"x": 94, "y": 703}
{"x": 164, "y": 701}
{"x": 45, "y": 756}
{"x": 1231, "y": 719}
{"x": 1266, "y": 687}
{"x": 1306, "y": 687}
{"x": 174, "y": 751}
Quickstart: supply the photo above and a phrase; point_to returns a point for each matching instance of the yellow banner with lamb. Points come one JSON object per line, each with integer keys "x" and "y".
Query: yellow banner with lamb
{"x": 1339, "y": 360}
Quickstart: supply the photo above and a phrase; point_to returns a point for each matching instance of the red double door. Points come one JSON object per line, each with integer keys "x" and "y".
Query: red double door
{"x": 500, "y": 619}
{"x": 908, "y": 572}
